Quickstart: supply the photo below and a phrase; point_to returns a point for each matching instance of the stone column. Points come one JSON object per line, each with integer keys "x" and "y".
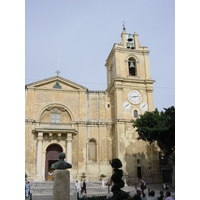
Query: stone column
{"x": 123, "y": 38}
{"x": 136, "y": 40}
{"x": 38, "y": 176}
{"x": 69, "y": 152}
{"x": 69, "y": 148}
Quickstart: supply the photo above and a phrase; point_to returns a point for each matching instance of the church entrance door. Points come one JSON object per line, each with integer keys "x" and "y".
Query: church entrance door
{"x": 52, "y": 156}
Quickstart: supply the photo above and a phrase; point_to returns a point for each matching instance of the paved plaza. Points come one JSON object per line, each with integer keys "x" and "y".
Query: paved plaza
{"x": 94, "y": 192}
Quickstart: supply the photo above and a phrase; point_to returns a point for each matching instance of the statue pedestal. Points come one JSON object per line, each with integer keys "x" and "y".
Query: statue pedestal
{"x": 61, "y": 185}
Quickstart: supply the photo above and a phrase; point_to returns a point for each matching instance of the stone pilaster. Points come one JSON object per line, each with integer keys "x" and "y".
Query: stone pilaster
{"x": 69, "y": 152}
{"x": 69, "y": 148}
{"x": 38, "y": 176}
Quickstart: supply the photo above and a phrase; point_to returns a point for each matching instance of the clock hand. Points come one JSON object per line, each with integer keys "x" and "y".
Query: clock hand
{"x": 143, "y": 106}
{"x": 126, "y": 105}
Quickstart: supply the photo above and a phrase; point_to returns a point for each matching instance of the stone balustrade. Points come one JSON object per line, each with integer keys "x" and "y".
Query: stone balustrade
{"x": 54, "y": 125}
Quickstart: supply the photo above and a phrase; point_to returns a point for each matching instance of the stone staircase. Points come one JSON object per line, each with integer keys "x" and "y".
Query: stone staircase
{"x": 46, "y": 188}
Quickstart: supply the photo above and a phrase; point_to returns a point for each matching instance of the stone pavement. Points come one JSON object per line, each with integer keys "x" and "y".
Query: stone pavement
{"x": 95, "y": 189}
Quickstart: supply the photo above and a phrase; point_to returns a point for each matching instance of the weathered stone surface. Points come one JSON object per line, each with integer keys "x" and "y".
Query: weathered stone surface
{"x": 61, "y": 185}
{"x": 91, "y": 127}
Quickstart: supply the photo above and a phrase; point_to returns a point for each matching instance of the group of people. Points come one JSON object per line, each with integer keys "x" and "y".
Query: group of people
{"x": 141, "y": 195}
{"x": 152, "y": 194}
{"x": 140, "y": 192}
{"x": 83, "y": 188}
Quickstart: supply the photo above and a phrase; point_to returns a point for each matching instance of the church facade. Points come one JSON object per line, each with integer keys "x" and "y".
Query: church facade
{"x": 93, "y": 127}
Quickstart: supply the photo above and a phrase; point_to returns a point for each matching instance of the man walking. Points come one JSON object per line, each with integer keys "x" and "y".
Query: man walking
{"x": 143, "y": 187}
{"x": 84, "y": 187}
{"x": 76, "y": 188}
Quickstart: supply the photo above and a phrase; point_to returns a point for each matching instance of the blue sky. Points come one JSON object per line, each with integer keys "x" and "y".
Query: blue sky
{"x": 87, "y": 31}
{"x": 91, "y": 27}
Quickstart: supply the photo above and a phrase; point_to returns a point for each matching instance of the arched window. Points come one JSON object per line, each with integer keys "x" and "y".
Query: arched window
{"x": 135, "y": 114}
{"x": 92, "y": 151}
{"x": 132, "y": 67}
{"x": 55, "y": 114}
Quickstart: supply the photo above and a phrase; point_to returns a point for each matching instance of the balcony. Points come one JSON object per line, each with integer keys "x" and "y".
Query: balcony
{"x": 54, "y": 127}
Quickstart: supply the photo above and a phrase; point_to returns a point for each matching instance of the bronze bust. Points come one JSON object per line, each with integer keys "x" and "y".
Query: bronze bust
{"x": 61, "y": 164}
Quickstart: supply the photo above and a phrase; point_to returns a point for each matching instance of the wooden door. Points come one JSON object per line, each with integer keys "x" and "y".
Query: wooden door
{"x": 52, "y": 156}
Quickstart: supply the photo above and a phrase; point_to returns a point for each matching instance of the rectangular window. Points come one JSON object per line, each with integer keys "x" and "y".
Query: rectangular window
{"x": 55, "y": 118}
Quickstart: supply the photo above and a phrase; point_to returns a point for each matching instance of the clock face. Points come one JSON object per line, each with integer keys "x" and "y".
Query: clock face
{"x": 126, "y": 106}
{"x": 144, "y": 106}
{"x": 134, "y": 96}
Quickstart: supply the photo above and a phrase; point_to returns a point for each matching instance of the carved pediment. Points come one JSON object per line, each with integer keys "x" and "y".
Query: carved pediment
{"x": 56, "y": 83}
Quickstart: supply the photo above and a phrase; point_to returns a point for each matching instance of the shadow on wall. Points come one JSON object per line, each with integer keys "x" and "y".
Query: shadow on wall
{"x": 144, "y": 165}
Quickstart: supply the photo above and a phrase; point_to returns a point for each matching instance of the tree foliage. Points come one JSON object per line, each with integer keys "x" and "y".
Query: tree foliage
{"x": 160, "y": 127}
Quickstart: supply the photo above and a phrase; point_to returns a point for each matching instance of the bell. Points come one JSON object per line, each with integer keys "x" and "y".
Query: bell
{"x": 132, "y": 46}
{"x": 128, "y": 45}
{"x": 131, "y": 64}
{"x": 130, "y": 38}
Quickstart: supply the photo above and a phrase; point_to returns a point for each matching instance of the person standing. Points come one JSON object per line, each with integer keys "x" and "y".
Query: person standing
{"x": 138, "y": 195}
{"x": 27, "y": 188}
{"x": 152, "y": 194}
{"x": 161, "y": 195}
{"x": 168, "y": 196}
{"x": 143, "y": 186}
{"x": 76, "y": 188}
{"x": 29, "y": 192}
{"x": 84, "y": 187}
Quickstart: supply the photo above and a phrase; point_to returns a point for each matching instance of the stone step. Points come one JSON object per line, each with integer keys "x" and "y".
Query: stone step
{"x": 72, "y": 184}
{"x": 46, "y": 188}
{"x": 42, "y": 184}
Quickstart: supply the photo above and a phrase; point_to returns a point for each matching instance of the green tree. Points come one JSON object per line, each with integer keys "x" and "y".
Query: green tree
{"x": 160, "y": 127}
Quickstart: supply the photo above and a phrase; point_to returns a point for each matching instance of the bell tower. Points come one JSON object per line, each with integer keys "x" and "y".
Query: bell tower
{"x": 130, "y": 86}
{"x": 129, "y": 61}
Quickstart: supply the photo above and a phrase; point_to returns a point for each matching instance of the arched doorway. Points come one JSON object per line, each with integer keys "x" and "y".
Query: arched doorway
{"x": 52, "y": 156}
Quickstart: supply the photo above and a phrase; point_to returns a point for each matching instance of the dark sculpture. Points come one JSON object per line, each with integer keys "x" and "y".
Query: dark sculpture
{"x": 57, "y": 85}
{"x": 116, "y": 178}
{"x": 61, "y": 164}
